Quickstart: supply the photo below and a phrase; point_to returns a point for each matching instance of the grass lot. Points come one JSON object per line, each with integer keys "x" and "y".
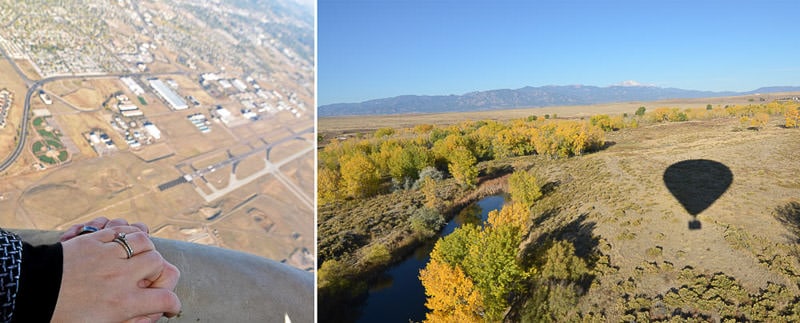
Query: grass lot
{"x": 50, "y": 150}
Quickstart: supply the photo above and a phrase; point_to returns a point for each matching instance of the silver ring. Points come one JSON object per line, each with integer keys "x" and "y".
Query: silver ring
{"x": 120, "y": 238}
{"x": 88, "y": 229}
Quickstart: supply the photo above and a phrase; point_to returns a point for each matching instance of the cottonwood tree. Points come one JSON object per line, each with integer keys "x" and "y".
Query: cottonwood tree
{"x": 327, "y": 186}
{"x": 523, "y": 188}
{"x": 492, "y": 265}
{"x": 360, "y": 177}
{"x": 462, "y": 165}
{"x": 451, "y": 295}
{"x": 792, "y": 116}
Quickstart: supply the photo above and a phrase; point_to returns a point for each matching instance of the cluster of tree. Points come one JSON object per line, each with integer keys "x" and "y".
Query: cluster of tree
{"x": 792, "y": 117}
{"x": 473, "y": 271}
{"x": 395, "y": 158}
{"x": 751, "y": 115}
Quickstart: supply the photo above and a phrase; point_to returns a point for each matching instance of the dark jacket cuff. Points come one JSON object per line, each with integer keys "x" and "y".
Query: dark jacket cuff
{"x": 39, "y": 282}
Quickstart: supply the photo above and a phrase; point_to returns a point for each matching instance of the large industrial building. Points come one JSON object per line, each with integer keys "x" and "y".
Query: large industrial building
{"x": 173, "y": 99}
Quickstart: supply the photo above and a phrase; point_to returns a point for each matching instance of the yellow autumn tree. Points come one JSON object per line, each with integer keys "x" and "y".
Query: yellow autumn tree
{"x": 792, "y": 116}
{"x": 759, "y": 120}
{"x": 462, "y": 165}
{"x": 327, "y": 186}
{"x": 523, "y": 188}
{"x": 360, "y": 177}
{"x": 452, "y": 296}
{"x": 515, "y": 214}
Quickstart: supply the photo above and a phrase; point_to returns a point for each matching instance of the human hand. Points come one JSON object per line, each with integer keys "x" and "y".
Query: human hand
{"x": 100, "y": 223}
{"x": 99, "y": 284}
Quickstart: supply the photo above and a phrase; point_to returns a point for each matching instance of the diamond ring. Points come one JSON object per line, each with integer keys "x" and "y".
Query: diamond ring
{"x": 120, "y": 239}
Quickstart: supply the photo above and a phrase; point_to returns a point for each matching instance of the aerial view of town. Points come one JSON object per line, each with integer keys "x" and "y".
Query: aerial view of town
{"x": 194, "y": 117}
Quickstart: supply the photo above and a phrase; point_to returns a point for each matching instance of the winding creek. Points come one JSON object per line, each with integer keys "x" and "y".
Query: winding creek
{"x": 398, "y": 295}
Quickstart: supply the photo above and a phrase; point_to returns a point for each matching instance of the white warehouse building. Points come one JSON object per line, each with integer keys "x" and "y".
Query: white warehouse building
{"x": 173, "y": 99}
{"x": 152, "y": 130}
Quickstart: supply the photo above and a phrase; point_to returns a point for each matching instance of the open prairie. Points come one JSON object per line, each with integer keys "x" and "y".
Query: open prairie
{"x": 349, "y": 124}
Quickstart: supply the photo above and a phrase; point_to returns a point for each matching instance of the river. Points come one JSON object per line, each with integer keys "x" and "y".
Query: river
{"x": 398, "y": 295}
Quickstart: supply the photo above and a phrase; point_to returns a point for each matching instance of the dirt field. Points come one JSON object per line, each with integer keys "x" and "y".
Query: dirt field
{"x": 250, "y": 166}
{"x": 622, "y": 195}
{"x": 28, "y": 69}
{"x": 301, "y": 172}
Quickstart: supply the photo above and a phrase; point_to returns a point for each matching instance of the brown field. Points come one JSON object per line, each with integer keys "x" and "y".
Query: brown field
{"x": 286, "y": 150}
{"x": 269, "y": 225}
{"x": 184, "y": 137}
{"x": 220, "y": 178}
{"x": 64, "y": 87}
{"x": 301, "y": 172}
{"x": 622, "y": 193}
{"x": 258, "y": 128}
{"x": 250, "y": 166}
{"x": 88, "y": 94}
{"x": 28, "y": 69}
{"x": 154, "y": 151}
{"x": 334, "y": 125}
{"x": 85, "y": 99}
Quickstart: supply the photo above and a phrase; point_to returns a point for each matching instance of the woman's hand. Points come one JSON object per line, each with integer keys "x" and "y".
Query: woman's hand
{"x": 99, "y": 284}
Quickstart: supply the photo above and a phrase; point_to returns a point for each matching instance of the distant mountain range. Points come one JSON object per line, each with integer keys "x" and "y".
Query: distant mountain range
{"x": 525, "y": 97}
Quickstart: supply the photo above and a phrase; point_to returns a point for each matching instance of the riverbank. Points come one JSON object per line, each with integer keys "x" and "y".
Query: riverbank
{"x": 345, "y": 283}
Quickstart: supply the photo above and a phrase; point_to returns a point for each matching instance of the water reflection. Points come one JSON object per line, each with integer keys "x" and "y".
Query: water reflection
{"x": 398, "y": 295}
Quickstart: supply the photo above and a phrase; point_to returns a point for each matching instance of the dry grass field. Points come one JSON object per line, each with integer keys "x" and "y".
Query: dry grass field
{"x": 636, "y": 220}
{"x": 27, "y": 68}
{"x": 336, "y": 125}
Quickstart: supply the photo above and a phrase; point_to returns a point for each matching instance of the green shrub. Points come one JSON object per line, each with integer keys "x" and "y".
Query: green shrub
{"x": 377, "y": 254}
{"x": 426, "y": 222}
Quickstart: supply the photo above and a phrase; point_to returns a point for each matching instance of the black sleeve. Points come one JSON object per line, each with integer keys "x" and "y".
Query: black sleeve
{"x": 39, "y": 283}
{"x": 10, "y": 260}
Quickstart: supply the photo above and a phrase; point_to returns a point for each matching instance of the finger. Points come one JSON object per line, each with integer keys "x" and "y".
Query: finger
{"x": 75, "y": 229}
{"x": 148, "y": 266}
{"x": 137, "y": 241}
{"x": 168, "y": 278}
{"x": 142, "y": 227}
{"x": 157, "y": 300}
{"x": 117, "y": 223}
{"x": 145, "y": 318}
{"x": 108, "y": 234}
{"x": 99, "y": 222}
{"x": 71, "y": 232}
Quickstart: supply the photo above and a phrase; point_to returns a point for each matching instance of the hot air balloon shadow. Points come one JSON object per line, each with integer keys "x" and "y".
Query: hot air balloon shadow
{"x": 696, "y": 184}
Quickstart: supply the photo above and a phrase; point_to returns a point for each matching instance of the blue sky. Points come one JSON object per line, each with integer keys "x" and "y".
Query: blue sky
{"x": 370, "y": 49}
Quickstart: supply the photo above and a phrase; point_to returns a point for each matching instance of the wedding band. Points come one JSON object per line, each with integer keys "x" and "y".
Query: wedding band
{"x": 120, "y": 238}
{"x": 87, "y": 229}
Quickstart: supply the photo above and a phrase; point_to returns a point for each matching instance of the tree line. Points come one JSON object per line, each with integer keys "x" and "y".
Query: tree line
{"x": 394, "y": 158}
